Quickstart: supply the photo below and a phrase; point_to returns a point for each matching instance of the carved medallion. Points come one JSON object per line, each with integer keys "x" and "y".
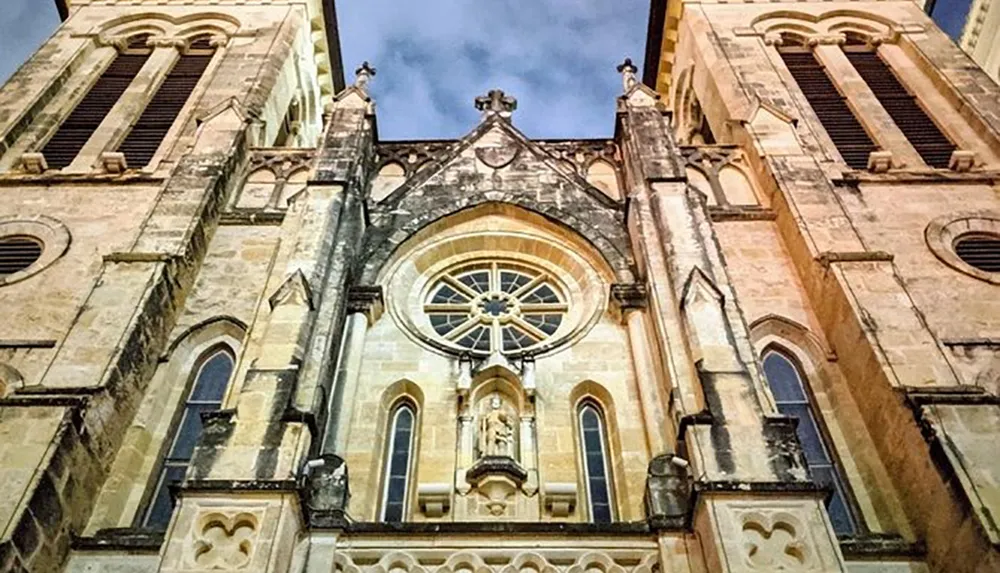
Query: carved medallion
{"x": 497, "y": 149}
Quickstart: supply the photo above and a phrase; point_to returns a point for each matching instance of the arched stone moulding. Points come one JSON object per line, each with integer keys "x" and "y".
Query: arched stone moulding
{"x": 164, "y": 27}
{"x": 504, "y": 233}
{"x": 942, "y": 233}
{"x": 832, "y": 26}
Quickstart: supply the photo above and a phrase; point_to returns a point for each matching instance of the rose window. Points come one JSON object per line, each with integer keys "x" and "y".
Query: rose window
{"x": 498, "y": 307}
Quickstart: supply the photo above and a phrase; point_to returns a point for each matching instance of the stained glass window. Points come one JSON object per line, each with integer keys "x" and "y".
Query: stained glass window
{"x": 397, "y": 464}
{"x": 488, "y": 307}
{"x": 206, "y": 395}
{"x": 792, "y": 399}
{"x": 594, "y": 441}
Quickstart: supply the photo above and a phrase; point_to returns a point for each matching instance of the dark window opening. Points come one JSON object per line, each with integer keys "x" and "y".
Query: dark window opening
{"x": 18, "y": 252}
{"x": 921, "y": 131}
{"x": 83, "y": 121}
{"x": 792, "y": 399}
{"x": 165, "y": 106}
{"x": 397, "y": 464}
{"x": 206, "y": 395}
{"x": 980, "y": 251}
{"x": 830, "y": 106}
{"x": 595, "y": 464}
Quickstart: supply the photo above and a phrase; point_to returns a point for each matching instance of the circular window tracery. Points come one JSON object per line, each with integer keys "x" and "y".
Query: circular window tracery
{"x": 495, "y": 307}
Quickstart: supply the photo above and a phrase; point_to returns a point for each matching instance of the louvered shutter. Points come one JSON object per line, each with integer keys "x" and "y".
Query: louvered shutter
{"x": 932, "y": 145}
{"x": 163, "y": 109}
{"x": 82, "y": 122}
{"x": 831, "y": 108}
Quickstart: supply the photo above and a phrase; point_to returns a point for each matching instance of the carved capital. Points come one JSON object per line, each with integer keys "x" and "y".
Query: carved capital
{"x": 367, "y": 299}
{"x": 166, "y": 42}
{"x": 773, "y": 39}
{"x": 630, "y": 296}
{"x": 119, "y": 43}
{"x": 827, "y": 40}
{"x": 113, "y": 162}
{"x": 34, "y": 163}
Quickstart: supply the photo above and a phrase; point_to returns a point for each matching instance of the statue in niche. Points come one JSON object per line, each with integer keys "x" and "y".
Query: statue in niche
{"x": 496, "y": 431}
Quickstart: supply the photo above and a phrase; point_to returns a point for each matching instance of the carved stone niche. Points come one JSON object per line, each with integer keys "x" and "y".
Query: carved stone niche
{"x": 497, "y": 464}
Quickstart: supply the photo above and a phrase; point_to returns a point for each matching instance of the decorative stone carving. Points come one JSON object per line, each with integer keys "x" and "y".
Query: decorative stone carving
{"x": 559, "y": 498}
{"x": 34, "y": 163}
{"x": 434, "y": 499}
{"x": 880, "y": 161}
{"x": 368, "y": 299}
{"x": 363, "y": 76}
{"x": 294, "y": 291}
{"x": 496, "y": 431}
{"x": 496, "y": 101}
{"x": 962, "y": 160}
{"x": 772, "y": 543}
{"x": 497, "y": 149}
{"x": 627, "y": 69}
{"x": 113, "y": 162}
{"x": 628, "y": 297}
{"x": 225, "y": 541}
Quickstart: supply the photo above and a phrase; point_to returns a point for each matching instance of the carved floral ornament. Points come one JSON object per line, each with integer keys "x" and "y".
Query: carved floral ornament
{"x": 583, "y": 561}
{"x": 772, "y": 542}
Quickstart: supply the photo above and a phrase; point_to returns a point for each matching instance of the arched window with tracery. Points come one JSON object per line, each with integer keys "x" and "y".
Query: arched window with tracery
{"x": 208, "y": 387}
{"x": 398, "y": 461}
{"x": 792, "y": 398}
{"x": 597, "y": 472}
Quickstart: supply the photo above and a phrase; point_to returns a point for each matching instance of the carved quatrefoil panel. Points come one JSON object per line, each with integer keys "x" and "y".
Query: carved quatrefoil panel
{"x": 774, "y": 543}
{"x": 226, "y": 541}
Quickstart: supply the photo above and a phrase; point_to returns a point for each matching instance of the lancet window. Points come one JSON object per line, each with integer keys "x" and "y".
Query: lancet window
{"x": 495, "y": 307}
{"x": 207, "y": 391}
{"x": 163, "y": 109}
{"x": 398, "y": 458}
{"x": 793, "y": 399}
{"x": 63, "y": 147}
{"x": 593, "y": 439}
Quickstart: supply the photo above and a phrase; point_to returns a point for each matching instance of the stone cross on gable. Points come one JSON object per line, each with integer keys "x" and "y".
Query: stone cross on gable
{"x": 495, "y": 101}
{"x": 363, "y": 75}
{"x": 627, "y": 69}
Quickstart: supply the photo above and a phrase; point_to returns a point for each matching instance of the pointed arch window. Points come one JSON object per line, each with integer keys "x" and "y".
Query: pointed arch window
{"x": 163, "y": 109}
{"x": 63, "y": 147}
{"x": 792, "y": 398}
{"x": 207, "y": 390}
{"x": 398, "y": 459}
{"x": 593, "y": 439}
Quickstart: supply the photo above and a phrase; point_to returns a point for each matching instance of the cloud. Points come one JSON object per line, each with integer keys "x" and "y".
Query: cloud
{"x": 24, "y": 25}
{"x": 557, "y": 57}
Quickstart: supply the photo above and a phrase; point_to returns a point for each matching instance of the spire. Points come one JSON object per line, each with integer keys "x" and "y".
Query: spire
{"x": 627, "y": 69}
{"x": 495, "y": 101}
{"x": 363, "y": 75}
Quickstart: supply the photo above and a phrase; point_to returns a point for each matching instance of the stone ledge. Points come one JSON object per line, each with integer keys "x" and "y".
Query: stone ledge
{"x": 880, "y": 547}
{"x": 127, "y": 539}
{"x": 951, "y": 395}
{"x": 828, "y": 258}
{"x": 12, "y": 343}
{"x": 253, "y": 217}
{"x": 237, "y": 486}
{"x": 508, "y": 527}
{"x": 853, "y": 178}
{"x": 726, "y": 214}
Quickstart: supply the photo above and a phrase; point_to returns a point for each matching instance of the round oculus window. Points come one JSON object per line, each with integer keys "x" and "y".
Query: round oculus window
{"x": 495, "y": 307}
{"x": 17, "y": 253}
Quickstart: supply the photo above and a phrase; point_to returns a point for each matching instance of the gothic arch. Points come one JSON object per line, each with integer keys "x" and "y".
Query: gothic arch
{"x": 161, "y": 24}
{"x": 804, "y": 25}
{"x": 382, "y": 244}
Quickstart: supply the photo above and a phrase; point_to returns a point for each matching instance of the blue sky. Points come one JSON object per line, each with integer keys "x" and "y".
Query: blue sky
{"x": 557, "y": 57}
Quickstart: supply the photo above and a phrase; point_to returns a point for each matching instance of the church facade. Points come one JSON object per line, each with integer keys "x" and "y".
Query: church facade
{"x": 756, "y": 329}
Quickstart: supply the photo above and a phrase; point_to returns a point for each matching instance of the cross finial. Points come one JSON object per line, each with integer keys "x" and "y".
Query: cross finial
{"x": 627, "y": 69}
{"x": 363, "y": 75}
{"x": 495, "y": 101}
